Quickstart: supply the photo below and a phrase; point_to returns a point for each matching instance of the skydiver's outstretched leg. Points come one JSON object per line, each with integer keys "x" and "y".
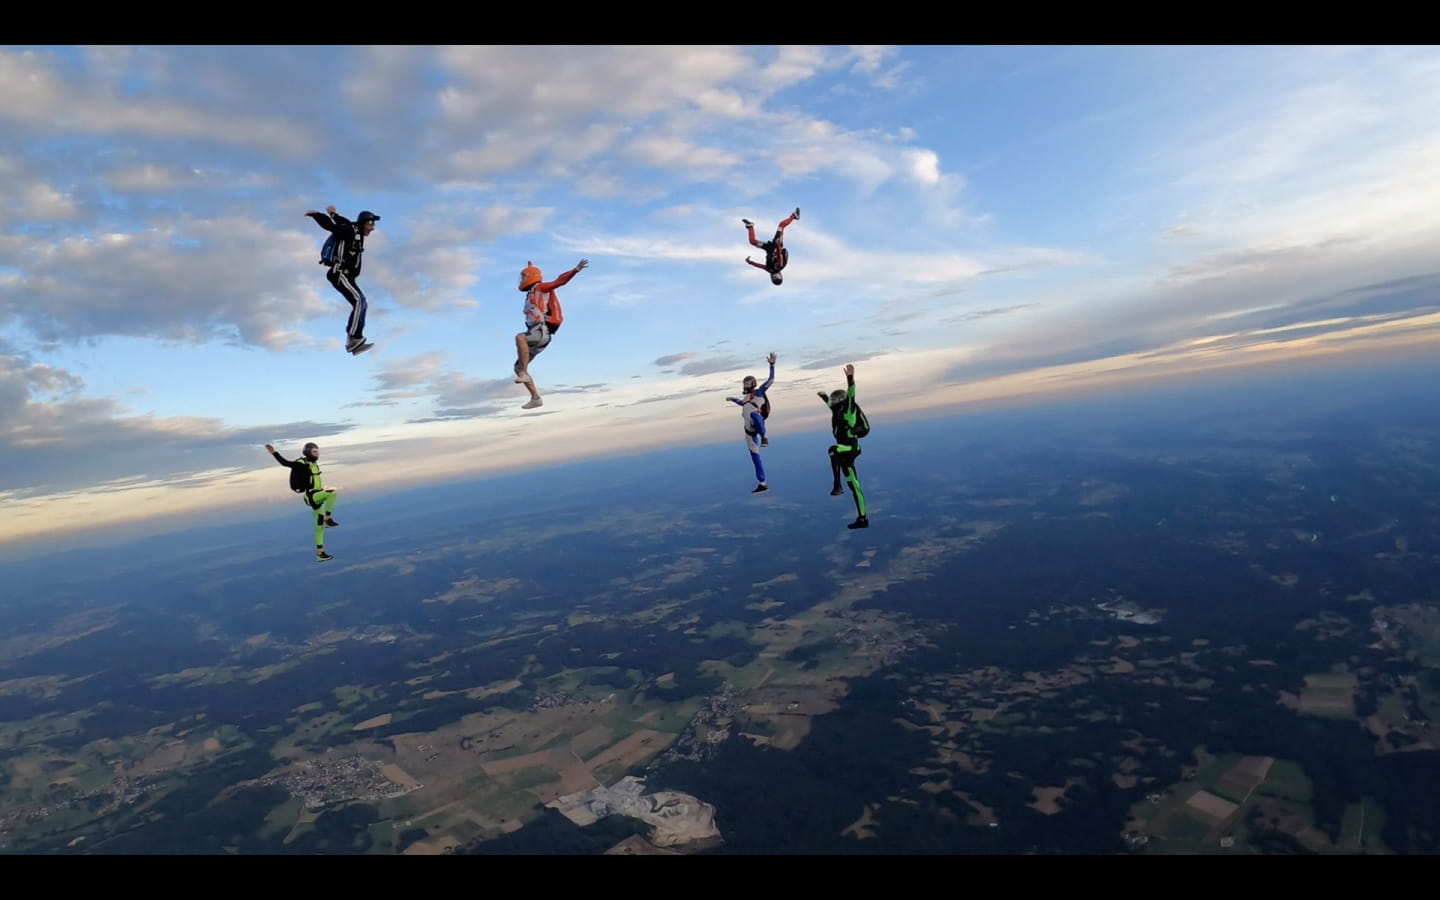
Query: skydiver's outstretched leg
{"x": 842, "y": 461}
{"x": 528, "y": 345}
{"x": 780, "y": 229}
{"x": 355, "y": 342}
{"x": 322, "y": 502}
{"x": 754, "y": 449}
{"x": 861, "y": 520}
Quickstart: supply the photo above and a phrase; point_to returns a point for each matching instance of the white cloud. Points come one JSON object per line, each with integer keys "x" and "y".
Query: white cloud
{"x": 792, "y": 65}
{"x": 869, "y": 59}
{"x": 190, "y": 281}
{"x": 426, "y": 278}
{"x": 656, "y": 150}
{"x": 36, "y": 95}
{"x": 151, "y": 178}
{"x": 41, "y": 201}
{"x": 53, "y": 436}
{"x": 924, "y": 166}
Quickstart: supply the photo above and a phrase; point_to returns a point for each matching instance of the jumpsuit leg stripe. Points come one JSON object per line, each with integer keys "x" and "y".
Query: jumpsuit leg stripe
{"x": 842, "y": 462}
{"x": 351, "y": 291}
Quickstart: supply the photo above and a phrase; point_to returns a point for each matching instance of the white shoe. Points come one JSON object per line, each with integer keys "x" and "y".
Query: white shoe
{"x": 534, "y": 403}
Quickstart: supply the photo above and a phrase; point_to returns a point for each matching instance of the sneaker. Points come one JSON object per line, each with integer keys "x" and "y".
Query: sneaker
{"x": 797, "y": 212}
{"x": 836, "y": 492}
{"x": 523, "y": 378}
{"x": 322, "y": 556}
{"x": 331, "y": 523}
{"x": 862, "y": 522}
{"x": 764, "y": 442}
{"x": 534, "y": 403}
{"x": 359, "y": 348}
{"x": 760, "y": 488}
{"x": 748, "y": 223}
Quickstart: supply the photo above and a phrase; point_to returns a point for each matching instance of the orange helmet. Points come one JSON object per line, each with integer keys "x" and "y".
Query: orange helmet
{"x": 529, "y": 275}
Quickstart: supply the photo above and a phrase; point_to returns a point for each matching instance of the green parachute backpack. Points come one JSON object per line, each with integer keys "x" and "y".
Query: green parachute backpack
{"x": 862, "y": 424}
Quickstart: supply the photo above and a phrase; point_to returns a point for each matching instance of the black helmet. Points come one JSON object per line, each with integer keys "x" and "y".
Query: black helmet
{"x": 749, "y": 383}
{"x": 311, "y": 446}
{"x": 366, "y": 216}
{"x": 837, "y": 397}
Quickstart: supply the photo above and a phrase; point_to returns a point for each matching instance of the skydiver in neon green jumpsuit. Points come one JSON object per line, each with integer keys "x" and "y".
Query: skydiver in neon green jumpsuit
{"x": 316, "y": 496}
{"x": 847, "y": 446}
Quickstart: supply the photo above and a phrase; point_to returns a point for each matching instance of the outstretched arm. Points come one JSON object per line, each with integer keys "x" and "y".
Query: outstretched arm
{"x": 321, "y": 219}
{"x": 754, "y": 263}
{"x": 769, "y": 381}
{"x": 328, "y": 219}
{"x": 278, "y": 458}
{"x": 564, "y": 277}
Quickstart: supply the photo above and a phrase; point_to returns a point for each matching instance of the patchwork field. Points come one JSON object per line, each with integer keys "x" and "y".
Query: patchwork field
{"x": 1228, "y": 798}
{"x": 1327, "y": 694}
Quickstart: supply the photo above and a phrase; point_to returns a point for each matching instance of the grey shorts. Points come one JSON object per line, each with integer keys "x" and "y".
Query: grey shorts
{"x": 537, "y": 336}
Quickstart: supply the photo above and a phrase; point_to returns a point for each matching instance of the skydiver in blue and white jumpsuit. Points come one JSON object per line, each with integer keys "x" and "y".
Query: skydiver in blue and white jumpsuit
{"x": 751, "y": 403}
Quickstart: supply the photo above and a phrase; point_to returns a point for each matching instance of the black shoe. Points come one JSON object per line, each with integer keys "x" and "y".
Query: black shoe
{"x": 331, "y": 523}
{"x": 760, "y": 488}
{"x": 797, "y": 212}
{"x": 836, "y": 491}
{"x": 322, "y": 556}
{"x": 764, "y": 442}
{"x": 862, "y": 522}
{"x": 748, "y": 223}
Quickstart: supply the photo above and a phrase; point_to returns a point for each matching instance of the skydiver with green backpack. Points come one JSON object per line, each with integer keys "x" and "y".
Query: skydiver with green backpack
{"x": 305, "y": 479}
{"x": 848, "y": 423}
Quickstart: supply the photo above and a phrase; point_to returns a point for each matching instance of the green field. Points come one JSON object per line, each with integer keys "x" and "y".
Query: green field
{"x": 520, "y": 805}
{"x": 403, "y": 807}
{"x": 727, "y": 629}
{"x": 354, "y": 694}
{"x": 531, "y": 777}
{"x": 1287, "y": 781}
{"x": 383, "y": 835}
{"x": 1209, "y": 775}
{"x": 1178, "y": 826}
{"x": 1373, "y": 817}
{"x": 594, "y": 738}
{"x": 1002, "y": 723}
{"x": 282, "y": 818}
{"x": 675, "y": 719}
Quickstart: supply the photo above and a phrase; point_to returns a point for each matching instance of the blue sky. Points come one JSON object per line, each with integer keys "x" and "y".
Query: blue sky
{"x": 979, "y": 225}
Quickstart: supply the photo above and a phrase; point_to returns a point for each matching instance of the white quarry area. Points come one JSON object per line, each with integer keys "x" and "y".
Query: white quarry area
{"x": 677, "y": 819}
